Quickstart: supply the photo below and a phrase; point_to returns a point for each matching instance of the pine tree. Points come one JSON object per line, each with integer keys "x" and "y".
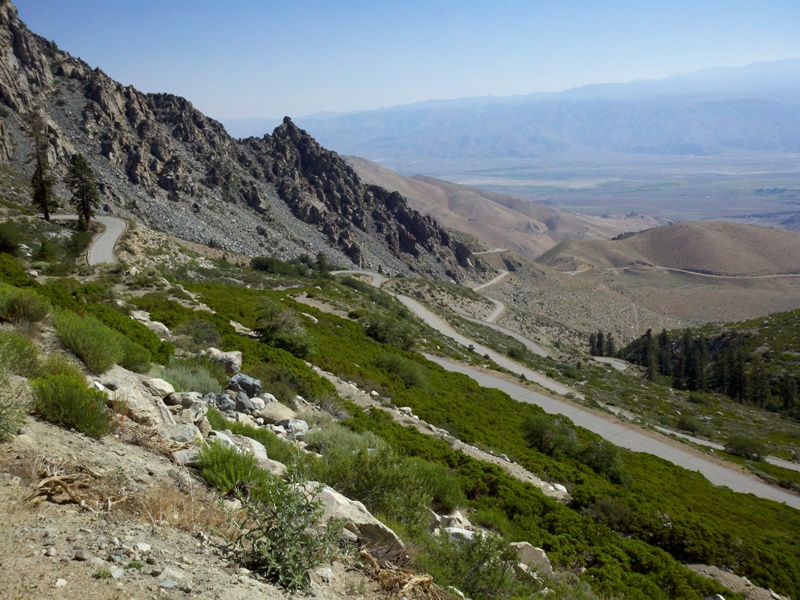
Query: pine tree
{"x": 611, "y": 347}
{"x": 593, "y": 344}
{"x": 601, "y": 343}
{"x": 42, "y": 180}
{"x": 85, "y": 195}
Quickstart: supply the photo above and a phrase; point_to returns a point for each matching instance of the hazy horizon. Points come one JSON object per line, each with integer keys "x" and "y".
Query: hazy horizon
{"x": 264, "y": 60}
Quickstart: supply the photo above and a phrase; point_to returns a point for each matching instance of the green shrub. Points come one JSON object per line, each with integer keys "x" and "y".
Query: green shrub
{"x": 98, "y": 346}
{"x": 10, "y": 238}
{"x": 68, "y": 402}
{"x": 193, "y": 375}
{"x": 278, "y": 326}
{"x": 135, "y": 357}
{"x": 23, "y": 307}
{"x": 57, "y": 363}
{"x": 482, "y": 568}
{"x": 551, "y": 435}
{"x": 12, "y": 272}
{"x": 281, "y": 539}
{"x": 199, "y": 334}
{"x": 19, "y": 355}
{"x": 410, "y": 372}
{"x": 745, "y": 447}
{"x": 227, "y": 469}
{"x": 11, "y": 408}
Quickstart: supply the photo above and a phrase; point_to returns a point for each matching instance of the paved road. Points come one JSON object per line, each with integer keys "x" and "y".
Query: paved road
{"x": 629, "y": 437}
{"x": 614, "y": 363}
{"x": 102, "y": 250}
{"x": 625, "y": 436}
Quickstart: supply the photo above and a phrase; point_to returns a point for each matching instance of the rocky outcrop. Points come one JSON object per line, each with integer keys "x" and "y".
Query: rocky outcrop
{"x": 160, "y": 160}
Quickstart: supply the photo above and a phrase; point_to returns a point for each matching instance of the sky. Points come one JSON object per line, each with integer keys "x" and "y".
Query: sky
{"x": 270, "y": 58}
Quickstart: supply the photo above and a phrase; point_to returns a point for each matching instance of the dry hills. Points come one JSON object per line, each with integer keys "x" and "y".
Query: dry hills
{"x": 499, "y": 220}
{"x": 715, "y": 247}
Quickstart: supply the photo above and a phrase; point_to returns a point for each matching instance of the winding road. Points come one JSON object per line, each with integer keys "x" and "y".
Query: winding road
{"x": 626, "y": 436}
{"x": 102, "y": 249}
{"x": 623, "y": 435}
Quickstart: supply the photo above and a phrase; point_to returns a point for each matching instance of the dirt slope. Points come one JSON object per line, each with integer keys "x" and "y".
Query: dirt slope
{"x": 499, "y": 220}
{"x": 715, "y": 247}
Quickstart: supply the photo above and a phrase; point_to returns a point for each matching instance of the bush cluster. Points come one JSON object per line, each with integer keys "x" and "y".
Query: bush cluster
{"x": 68, "y": 402}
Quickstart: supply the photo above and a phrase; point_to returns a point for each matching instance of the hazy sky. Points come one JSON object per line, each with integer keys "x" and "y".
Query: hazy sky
{"x": 269, "y": 58}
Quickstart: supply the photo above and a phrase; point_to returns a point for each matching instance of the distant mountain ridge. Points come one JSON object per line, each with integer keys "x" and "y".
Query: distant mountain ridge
{"x": 160, "y": 161}
{"x": 753, "y": 108}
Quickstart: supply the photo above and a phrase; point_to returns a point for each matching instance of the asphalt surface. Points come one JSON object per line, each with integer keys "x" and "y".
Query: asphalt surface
{"x": 102, "y": 249}
{"x": 622, "y": 435}
{"x": 629, "y": 437}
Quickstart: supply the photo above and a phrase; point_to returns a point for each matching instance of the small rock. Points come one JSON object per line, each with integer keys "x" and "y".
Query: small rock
{"x": 294, "y": 426}
{"x": 50, "y": 551}
{"x": 168, "y": 584}
{"x": 143, "y": 548}
{"x": 325, "y": 574}
{"x": 117, "y": 573}
{"x": 111, "y": 385}
{"x": 61, "y": 583}
{"x": 81, "y": 554}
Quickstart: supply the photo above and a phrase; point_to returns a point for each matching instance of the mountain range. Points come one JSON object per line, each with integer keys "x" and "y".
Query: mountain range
{"x": 715, "y": 111}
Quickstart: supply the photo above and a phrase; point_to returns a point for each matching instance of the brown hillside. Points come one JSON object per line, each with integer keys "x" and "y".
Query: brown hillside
{"x": 499, "y": 220}
{"x": 714, "y": 247}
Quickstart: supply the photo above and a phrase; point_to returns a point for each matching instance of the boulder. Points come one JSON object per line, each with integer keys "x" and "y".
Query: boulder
{"x": 532, "y": 557}
{"x": 457, "y": 534}
{"x": 158, "y": 387}
{"x": 222, "y": 437}
{"x": 223, "y": 402}
{"x": 184, "y": 399}
{"x": 357, "y": 518}
{"x": 158, "y": 328}
{"x": 267, "y": 397}
{"x": 294, "y": 426}
{"x": 456, "y": 519}
{"x": 244, "y": 383}
{"x": 183, "y": 434}
{"x": 252, "y": 446}
{"x": 275, "y": 412}
{"x": 245, "y": 404}
{"x": 231, "y": 361}
{"x": 186, "y": 458}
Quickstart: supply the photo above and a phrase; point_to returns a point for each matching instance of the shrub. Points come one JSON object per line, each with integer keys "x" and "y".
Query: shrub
{"x": 281, "y": 539}
{"x": 411, "y": 373}
{"x": 19, "y": 355}
{"x": 551, "y": 435}
{"x": 603, "y": 457}
{"x": 10, "y": 238}
{"x": 24, "y": 307}
{"x": 482, "y": 568}
{"x": 227, "y": 469}
{"x": 199, "y": 334}
{"x": 98, "y": 346}
{"x": 745, "y": 447}
{"x": 135, "y": 357}
{"x": 67, "y": 402}
{"x": 11, "y": 409}
{"x": 193, "y": 375}
{"x": 278, "y": 326}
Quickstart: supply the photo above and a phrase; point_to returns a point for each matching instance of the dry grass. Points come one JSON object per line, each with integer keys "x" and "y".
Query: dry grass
{"x": 399, "y": 582}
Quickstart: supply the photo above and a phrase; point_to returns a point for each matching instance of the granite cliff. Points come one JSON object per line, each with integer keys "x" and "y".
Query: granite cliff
{"x": 161, "y": 161}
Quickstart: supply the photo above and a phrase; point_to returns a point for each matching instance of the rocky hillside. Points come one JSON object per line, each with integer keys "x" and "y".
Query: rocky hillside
{"x": 160, "y": 161}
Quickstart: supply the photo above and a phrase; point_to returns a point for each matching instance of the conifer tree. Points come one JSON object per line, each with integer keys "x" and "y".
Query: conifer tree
{"x": 85, "y": 195}
{"x": 42, "y": 180}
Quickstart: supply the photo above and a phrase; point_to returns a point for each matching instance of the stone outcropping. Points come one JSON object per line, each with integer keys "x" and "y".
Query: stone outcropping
{"x": 160, "y": 160}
